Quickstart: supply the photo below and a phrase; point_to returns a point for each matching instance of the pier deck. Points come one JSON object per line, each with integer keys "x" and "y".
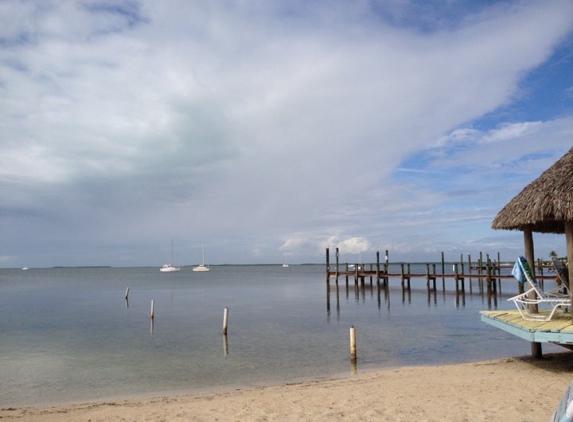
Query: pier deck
{"x": 559, "y": 330}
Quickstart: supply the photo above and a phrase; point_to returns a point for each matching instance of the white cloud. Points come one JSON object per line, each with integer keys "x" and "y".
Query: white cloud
{"x": 248, "y": 124}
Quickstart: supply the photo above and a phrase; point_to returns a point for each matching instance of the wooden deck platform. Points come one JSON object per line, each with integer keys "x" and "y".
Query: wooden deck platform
{"x": 559, "y": 330}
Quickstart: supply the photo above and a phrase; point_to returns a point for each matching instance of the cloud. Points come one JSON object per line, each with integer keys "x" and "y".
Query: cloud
{"x": 257, "y": 126}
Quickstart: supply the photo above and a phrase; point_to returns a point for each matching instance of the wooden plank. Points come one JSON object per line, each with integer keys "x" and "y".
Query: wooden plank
{"x": 559, "y": 331}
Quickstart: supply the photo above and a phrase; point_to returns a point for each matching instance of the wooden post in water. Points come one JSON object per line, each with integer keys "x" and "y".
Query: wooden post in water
{"x": 152, "y": 310}
{"x": 480, "y": 264}
{"x": 470, "y": 272}
{"x": 499, "y": 273}
{"x": 327, "y": 265}
{"x": 127, "y": 294}
{"x": 337, "y": 255}
{"x": 353, "y": 344}
{"x": 225, "y": 320}
{"x": 386, "y": 266}
{"x": 378, "y": 266}
{"x": 443, "y": 272}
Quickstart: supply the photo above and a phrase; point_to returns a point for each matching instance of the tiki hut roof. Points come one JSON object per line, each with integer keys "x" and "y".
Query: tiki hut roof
{"x": 545, "y": 204}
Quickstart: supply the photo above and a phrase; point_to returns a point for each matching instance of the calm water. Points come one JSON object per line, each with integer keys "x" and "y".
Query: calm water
{"x": 69, "y": 335}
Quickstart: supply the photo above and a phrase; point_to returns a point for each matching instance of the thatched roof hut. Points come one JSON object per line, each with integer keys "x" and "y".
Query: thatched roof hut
{"x": 545, "y": 204}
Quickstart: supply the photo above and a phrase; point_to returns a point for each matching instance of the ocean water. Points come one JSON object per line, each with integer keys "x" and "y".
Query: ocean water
{"x": 69, "y": 335}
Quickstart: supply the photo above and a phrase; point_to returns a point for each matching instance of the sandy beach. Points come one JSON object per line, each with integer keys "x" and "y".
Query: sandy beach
{"x": 512, "y": 390}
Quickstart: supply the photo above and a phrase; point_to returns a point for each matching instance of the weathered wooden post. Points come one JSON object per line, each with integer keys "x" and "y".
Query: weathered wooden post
{"x": 225, "y": 320}
{"x": 152, "y": 310}
{"x": 536, "y": 350}
{"x": 353, "y": 344}
{"x": 327, "y": 265}
{"x": 127, "y": 294}
{"x": 337, "y": 256}
{"x": 443, "y": 272}
{"x": 480, "y": 265}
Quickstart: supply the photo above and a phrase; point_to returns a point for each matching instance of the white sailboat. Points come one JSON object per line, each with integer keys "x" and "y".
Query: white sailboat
{"x": 170, "y": 268}
{"x": 285, "y": 265}
{"x": 201, "y": 268}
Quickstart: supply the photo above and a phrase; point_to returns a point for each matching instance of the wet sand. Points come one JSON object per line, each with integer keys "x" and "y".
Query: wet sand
{"x": 512, "y": 390}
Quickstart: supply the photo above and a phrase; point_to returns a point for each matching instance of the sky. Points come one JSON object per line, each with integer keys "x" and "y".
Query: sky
{"x": 271, "y": 130}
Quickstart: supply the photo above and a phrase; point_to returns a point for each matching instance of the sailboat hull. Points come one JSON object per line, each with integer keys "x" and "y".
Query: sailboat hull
{"x": 201, "y": 268}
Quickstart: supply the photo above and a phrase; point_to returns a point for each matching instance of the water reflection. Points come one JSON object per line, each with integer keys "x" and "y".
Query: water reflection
{"x": 365, "y": 292}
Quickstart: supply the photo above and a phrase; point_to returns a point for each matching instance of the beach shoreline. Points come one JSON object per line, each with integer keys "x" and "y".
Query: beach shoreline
{"x": 513, "y": 390}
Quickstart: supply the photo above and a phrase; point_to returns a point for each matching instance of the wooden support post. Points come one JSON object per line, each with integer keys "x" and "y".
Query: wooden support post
{"x": 327, "y": 265}
{"x": 443, "y": 272}
{"x": 152, "y": 310}
{"x": 488, "y": 280}
{"x": 480, "y": 264}
{"x": 470, "y": 272}
{"x": 337, "y": 256}
{"x": 378, "y": 266}
{"x": 225, "y": 320}
{"x": 127, "y": 294}
{"x": 353, "y": 356}
{"x": 569, "y": 242}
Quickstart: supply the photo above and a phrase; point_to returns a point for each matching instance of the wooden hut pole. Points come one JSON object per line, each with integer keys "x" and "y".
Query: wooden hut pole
{"x": 536, "y": 351}
{"x": 569, "y": 240}
{"x": 530, "y": 255}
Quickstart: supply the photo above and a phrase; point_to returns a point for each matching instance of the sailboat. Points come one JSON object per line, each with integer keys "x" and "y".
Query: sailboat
{"x": 285, "y": 265}
{"x": 170, "y": 268}
{"x": 201, "y": 268}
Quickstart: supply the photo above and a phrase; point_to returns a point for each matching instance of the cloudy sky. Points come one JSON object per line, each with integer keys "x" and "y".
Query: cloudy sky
{"x": 273, "y": 128}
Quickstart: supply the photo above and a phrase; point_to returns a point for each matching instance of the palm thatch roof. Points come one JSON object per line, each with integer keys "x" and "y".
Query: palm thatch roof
{"x": 545, "y": 204}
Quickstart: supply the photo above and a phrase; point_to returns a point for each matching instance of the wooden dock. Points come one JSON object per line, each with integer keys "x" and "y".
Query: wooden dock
{"x": 559, "y": 330}
{"x": 486, "y": 272}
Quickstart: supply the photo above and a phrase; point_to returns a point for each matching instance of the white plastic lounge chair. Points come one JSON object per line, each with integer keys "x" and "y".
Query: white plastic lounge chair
{"x": 551, "y": 300}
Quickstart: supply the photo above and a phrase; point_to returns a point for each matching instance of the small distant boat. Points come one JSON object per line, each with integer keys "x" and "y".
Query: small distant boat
{"x": 201, "y": 268}
{"x": 25, "y": 268}
{"x": 285, "y": 265}
{"x": 170, "y": 268}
